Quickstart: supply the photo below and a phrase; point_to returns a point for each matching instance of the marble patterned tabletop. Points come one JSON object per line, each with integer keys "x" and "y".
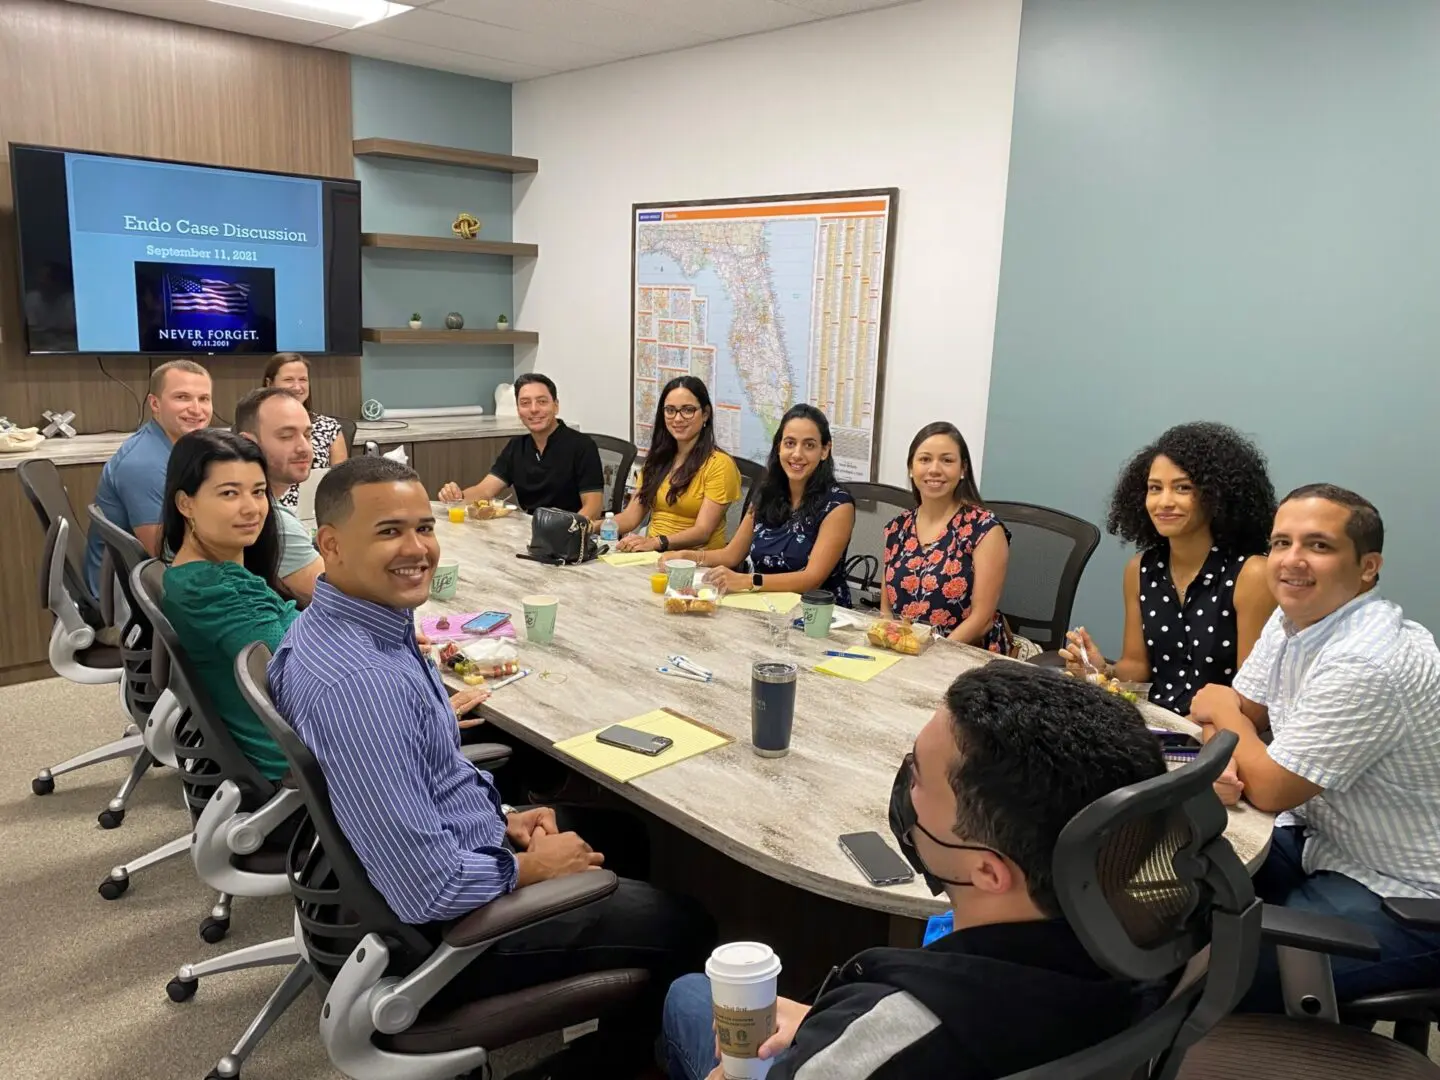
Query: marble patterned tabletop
{"x": 779, "y": 816}
{"x": 93, "y": 449}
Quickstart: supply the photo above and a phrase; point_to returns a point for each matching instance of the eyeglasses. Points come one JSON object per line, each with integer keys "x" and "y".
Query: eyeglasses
{"x": 687, "y": 411}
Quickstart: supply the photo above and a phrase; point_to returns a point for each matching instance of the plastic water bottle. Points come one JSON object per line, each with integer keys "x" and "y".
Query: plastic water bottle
{"x": 609, "y": 531}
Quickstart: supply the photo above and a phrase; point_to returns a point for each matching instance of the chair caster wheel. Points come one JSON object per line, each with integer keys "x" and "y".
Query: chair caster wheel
{"x": 113, "y": 888}
{"x": 182, "y": 989}
{"x": 111, "y": 819}
{"x": 213, "y": 930}
{"x": 216, "y": 1074}
{"x": 42, "y": 785}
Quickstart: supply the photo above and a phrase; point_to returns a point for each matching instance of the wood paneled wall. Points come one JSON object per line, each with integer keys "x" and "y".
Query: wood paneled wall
{"x": 92, "y": 79}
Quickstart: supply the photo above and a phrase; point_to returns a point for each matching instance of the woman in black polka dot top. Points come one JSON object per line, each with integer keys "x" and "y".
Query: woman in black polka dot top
{"x": 1198, "y": 503}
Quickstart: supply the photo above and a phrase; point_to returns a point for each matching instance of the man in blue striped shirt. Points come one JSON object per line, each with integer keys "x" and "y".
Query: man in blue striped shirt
{"x": 430, "y": 829}
{"x": 1349, "y": 691}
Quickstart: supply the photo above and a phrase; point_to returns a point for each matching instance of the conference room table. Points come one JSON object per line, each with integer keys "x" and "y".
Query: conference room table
{"x": 779, "y": 816}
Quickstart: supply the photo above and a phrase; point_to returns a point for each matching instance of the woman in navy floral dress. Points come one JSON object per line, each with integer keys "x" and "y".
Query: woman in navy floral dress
{"x": 796, "y": 529}
{"x": 945, "y": 560}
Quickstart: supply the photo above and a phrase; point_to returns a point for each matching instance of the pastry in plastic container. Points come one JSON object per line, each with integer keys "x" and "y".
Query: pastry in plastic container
{"x": 900, "y": 635}
{"x": 485, "y": 509}
{"x": 692, "y": 600}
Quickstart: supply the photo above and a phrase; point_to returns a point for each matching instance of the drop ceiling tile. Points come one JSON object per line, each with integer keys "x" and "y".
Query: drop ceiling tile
{"x": 484, "y": 39}
{"x": 719, "y": 18}
{"x": 575, "y": 20}
{"x": 362, "y": 43}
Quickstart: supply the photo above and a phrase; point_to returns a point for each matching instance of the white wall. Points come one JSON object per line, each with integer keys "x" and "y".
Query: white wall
{"x": 917, "y": 97}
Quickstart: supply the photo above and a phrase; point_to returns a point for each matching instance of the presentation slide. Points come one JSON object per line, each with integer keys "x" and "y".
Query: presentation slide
{"x": 185, "y": 259}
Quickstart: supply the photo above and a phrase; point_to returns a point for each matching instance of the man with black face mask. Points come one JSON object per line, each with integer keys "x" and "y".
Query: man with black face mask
{"x": 1012, "y": 754}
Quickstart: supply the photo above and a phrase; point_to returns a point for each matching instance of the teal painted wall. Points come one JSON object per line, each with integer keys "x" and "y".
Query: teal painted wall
{"x": 1224, "y": 211}
{"x": 399, "y": 102}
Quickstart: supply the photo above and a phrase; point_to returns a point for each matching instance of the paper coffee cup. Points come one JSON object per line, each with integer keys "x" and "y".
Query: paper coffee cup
{"x": 540, "y": 618}
{"x": 682, "y": 573}
{"x": 743, "y": 979}
{"x": 447, "y": 577}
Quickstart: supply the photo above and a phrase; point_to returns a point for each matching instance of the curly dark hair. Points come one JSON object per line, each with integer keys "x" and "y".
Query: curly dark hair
{"x": 1230, "y": 474}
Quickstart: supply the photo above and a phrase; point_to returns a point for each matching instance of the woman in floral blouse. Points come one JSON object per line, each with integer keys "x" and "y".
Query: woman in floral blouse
{"x": 797, "y": 527}
{"x": 945, "y": 560}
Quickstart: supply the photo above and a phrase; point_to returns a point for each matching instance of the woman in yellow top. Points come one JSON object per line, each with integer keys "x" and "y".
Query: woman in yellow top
{"x": 687, "y": 481}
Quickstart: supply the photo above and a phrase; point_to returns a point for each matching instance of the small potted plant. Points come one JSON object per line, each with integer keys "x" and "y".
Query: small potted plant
{"x": 415, "y": 320}
{"x": 502, "y": 323}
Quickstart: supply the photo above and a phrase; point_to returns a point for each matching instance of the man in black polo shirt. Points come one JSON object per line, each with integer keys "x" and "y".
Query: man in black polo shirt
{"x": 1008, "y": 759}
{"x": 551, "y": 466}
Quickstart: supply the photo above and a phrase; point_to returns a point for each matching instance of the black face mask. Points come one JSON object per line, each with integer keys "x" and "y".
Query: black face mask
{"x": 903, "y": 820}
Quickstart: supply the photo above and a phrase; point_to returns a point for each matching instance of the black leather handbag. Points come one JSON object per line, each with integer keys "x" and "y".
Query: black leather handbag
{"x": 560, "y": 537}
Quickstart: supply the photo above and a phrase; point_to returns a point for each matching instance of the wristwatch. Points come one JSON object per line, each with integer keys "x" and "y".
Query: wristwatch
{"x": 756, "y": 581}
{"x": 664, "y": 543}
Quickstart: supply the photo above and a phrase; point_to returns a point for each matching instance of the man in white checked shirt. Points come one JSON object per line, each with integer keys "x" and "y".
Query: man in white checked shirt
{"x": 1349, "y": 691}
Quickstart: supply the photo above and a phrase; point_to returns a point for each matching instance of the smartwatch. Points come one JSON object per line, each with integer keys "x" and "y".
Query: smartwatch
{"x": 756, "y": 580}
{"x": 664, "y": 543}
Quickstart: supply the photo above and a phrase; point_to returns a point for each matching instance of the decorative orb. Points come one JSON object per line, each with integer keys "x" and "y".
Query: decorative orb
{"x": 467, "y": 226}
{"x": 454, "y": 320}
{"x": 372, "y": 409}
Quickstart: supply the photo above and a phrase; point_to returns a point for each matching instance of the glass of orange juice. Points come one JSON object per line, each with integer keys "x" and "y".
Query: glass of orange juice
{"x": 457, "y": 515}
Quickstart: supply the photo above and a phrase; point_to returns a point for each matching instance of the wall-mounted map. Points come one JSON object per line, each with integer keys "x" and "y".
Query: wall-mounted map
{"x": 771, "y": 301}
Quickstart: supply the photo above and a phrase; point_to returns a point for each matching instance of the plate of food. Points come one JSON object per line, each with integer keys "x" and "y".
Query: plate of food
{"x": 1129, "y": 691}
{"x": 488, "y": 509}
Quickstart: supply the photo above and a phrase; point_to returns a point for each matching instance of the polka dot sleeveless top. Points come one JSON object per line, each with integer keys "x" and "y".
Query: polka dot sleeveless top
{"x": 1190, "y": 643}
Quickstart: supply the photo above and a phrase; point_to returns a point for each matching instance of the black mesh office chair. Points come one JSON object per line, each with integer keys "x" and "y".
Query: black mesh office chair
{"x": 75, "y": 651}
{"x": 347, "y": 428}
{"x": 1048, "y": 552}
{"x": 123, "y": 553}
{"x": 616, "y": 458}
{"x": 1154, "y": 891}
{"x": 875, "y": 506}
{"x": 380, "y": 975}
{"x": 751, "y": 473}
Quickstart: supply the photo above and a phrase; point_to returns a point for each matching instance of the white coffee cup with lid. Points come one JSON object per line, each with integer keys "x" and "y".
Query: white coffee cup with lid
{"x": 743, "y": 978}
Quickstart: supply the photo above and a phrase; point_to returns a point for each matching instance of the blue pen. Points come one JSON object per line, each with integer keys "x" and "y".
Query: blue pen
{"x": 848, "y": 655}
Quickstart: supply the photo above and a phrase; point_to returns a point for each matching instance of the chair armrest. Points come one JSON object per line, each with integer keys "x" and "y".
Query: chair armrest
{"x": 486, "y": 755}
{"x": 1416, "y": 914}
{"x": 530, "y": 905}
{"x": 1306, "y": 930}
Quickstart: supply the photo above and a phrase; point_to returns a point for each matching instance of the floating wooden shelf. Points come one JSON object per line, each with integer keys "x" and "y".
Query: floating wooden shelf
{"x": 401, "y": 242}
{"x": 443, "y": 155}
{"x": 403, "y": 335}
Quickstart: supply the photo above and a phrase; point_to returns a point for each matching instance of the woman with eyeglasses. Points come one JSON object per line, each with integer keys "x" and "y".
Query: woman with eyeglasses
{"x": 687, "y": 481}
{"x": 291, "y": 371}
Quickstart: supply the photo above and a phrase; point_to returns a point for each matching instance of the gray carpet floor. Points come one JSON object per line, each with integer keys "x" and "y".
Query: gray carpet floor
{"x": 83, "y": 993}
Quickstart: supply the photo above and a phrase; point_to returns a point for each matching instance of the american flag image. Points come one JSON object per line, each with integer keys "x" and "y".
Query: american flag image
{"x": 208, "y": 296}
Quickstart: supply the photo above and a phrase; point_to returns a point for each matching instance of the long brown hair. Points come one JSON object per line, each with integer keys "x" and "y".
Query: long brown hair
{"x": 279, "y": 360}
{"x": 663, "y": 446}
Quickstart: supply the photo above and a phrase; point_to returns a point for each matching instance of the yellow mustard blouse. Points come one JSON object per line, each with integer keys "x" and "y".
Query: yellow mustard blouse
{"x": 717, "y": 479}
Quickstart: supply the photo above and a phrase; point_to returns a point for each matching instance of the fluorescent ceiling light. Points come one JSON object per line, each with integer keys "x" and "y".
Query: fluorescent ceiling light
{"x": 347, "y": 14}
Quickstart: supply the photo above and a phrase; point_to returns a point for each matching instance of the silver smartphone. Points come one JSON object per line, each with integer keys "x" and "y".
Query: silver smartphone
{"x": 876, "y": 859}
{"x": 627, "y": 738}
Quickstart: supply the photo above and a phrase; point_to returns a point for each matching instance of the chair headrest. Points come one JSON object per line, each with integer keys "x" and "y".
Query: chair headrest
{"x": 1141, "y": 871}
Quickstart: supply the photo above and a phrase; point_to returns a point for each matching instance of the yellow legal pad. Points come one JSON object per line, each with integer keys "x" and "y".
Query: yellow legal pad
{"x": 631, "y": 558}
{"x": 782, "y": 602}
{"x": 690, "y": 737}
{"x": 859, "y": 670}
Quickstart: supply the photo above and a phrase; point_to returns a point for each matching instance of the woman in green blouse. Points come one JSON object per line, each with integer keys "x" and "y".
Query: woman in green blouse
{"x": 220, "y": 588}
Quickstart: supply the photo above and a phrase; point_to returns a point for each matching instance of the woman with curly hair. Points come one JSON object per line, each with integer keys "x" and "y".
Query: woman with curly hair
{"x": 1199, "y": 504}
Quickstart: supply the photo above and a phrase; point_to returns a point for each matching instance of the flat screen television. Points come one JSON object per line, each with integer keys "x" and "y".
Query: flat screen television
{"x": 136, "y": 255}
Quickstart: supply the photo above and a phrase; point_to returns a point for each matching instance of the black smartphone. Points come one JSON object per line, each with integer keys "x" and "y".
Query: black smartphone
{"x": 641, "y": 742}
{"x": 876, "y": 859}
{"x": 486, "y": 621}
{"x": 1175, "y": 740}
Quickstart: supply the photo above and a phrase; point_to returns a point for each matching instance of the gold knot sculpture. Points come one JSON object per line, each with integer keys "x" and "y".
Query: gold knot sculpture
{"x": 467, "y": 226}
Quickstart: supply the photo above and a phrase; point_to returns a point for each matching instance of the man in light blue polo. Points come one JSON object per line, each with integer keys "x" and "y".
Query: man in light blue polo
{"x": 1349, "y": 690}
{"x": 132, "y": 484}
